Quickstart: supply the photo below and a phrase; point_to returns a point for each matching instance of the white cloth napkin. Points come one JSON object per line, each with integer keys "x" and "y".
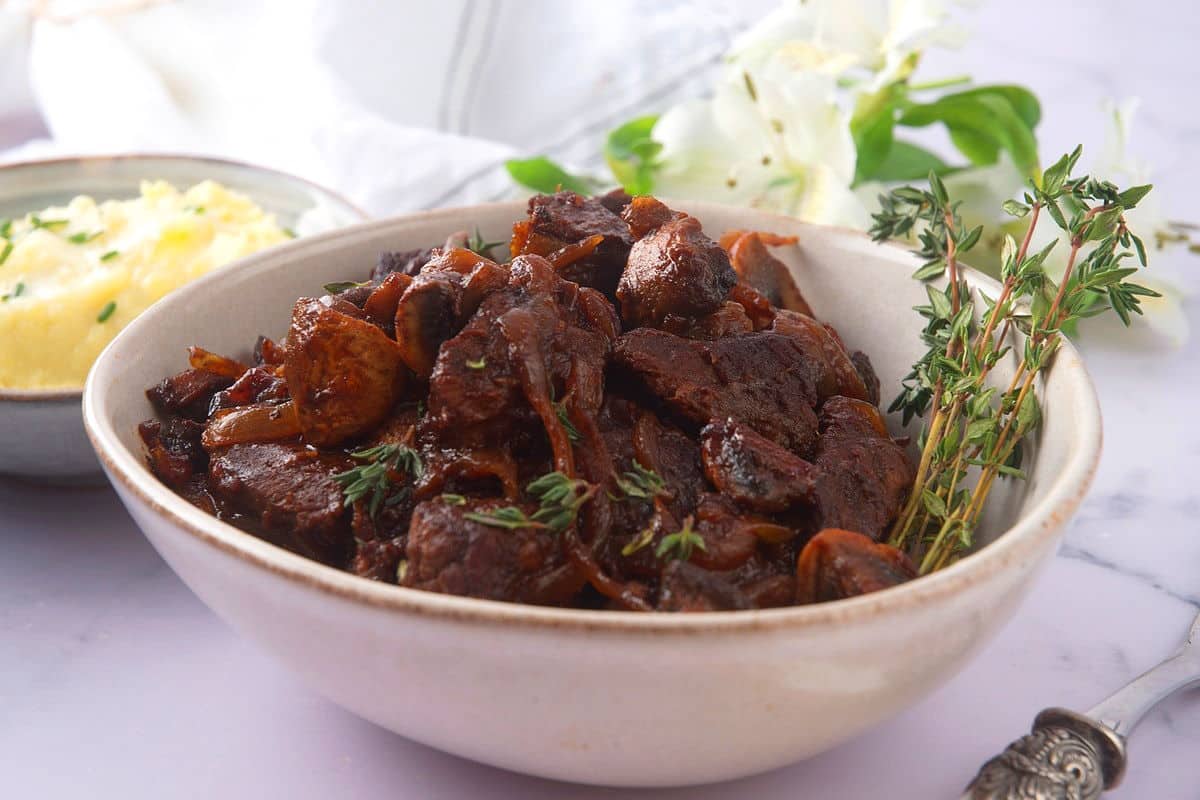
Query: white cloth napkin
{"x": 399, "y": 105}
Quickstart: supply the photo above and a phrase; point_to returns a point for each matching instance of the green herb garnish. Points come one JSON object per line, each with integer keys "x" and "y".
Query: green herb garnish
{"x": 17, "y": 291}
{"x": 681, "y": 544}
{"x": 477, "y": 245}
{"x": 5, "y": 228}
{"x": 560, "y": 497}
{"x": 83, "y": 237}
{"x": 194, "y": 209}
{"x": 480, "y": 364}
{"x": 454, "y": 500}
{"x": 5, "y": 251}
{"x": 107, "y": 311}
{"x": 572, "y": 432}
{"x": 291, "y": 234}
{"x": 641, "y": 483}
{"x": 341, "y": 286}
{"x": 110, "y": 255}
{"x": 509, "y": 517}
{"x": 643, "y": 538}
{"x": 974, "y": 432}
{"x": 47, "y": 224}
{"x": 374, "y": 478}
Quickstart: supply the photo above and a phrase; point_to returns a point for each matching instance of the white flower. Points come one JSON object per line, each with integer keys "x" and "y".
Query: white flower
{"x": 837, "y": 36}
{"x": 776, "y": 133}
{"x": 772, "y": 139}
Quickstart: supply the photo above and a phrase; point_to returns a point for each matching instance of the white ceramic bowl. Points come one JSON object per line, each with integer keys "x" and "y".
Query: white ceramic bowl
{"x": 41, "y": 431}
{"x": 615, "y": 698}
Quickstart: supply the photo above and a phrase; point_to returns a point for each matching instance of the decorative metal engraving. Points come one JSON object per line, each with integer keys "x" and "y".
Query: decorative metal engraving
{"x": 1067, "y": 756}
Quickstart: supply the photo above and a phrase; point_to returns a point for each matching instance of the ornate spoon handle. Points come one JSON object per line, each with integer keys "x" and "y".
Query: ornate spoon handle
{"x": 1072, "y": 756}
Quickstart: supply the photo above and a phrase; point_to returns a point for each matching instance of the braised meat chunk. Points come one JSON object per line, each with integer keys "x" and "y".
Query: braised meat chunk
{"x": 188, "y": 394}
{"x": 624, "y": 416}
{"x": 538, "y": 339}
{"x": 565, "y": 218}
{"x": 687, "y": 587}
{"x": 450, "y": 552}
{"x": 863, "y": 475}
{"x": 833, "y": 368}
{"x": 343, "y": 373}
{"x": 288, "y": 492}
{"x": 761, "y": 379}
{"x": 674, "y": 271}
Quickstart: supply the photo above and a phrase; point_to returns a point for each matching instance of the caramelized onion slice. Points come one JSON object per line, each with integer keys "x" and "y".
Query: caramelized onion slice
{"x": 257, "y": 423}
{"x": 200, "y": 358}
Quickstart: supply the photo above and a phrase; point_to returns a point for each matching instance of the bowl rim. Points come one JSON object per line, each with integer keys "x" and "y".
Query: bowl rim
{"x": 1027, "y": 537}
{"x": 75, "y": 393}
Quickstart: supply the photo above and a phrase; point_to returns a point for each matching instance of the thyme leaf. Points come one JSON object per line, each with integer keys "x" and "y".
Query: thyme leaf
{"x": 560, "y": 499}
{"x": 641, "y": 483}
{"x": 338, "y": 287}
{"x": 373, "y": 480}
{"x": 681, "y": 544}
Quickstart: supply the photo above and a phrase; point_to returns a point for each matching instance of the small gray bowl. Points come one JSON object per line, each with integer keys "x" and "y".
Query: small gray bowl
{"x": 41, "y": 431}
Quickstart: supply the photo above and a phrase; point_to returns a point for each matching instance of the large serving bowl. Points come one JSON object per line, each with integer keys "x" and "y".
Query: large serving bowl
{"x": 41, "y": 430}
{"x": 602, "y": 697}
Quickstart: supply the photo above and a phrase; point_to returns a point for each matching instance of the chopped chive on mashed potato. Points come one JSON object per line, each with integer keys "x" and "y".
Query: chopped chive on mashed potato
{"x": 72, "y": 276}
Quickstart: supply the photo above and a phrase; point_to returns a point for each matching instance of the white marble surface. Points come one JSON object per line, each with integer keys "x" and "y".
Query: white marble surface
{"x": 116, "y": 682}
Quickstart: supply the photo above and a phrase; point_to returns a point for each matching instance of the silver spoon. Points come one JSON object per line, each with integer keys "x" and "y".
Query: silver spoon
{"x": 1072, "y": 756}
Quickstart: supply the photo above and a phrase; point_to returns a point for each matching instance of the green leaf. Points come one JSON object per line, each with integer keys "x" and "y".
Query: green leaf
{"x": 1055, "y": 175}
{"x": 941, "y": 304}
{"x": 1023, "y": 101}
{"x": 1015, "y": 209}
{"x": 935, "y": 505}
{"x": 543, "y": 175}
{"x": 871, "y": 126}
{"x": 907, "y": 162}
{"x": 631, "y": 154}
{"x": 978, "y": 429}
{"x": 939, "y": 189}
{"x": 1104, "y": 223}
{"x": 981, "y": 125}
{"x": 970, "y": 239}
{"x": 1056, "y": 214}
{"x": 1133, "y": 195}
{"x": 930, "y": 270}
{"x": 1029, "y": 414}
{"x": 338, "y": 287}
{"x": 1140, "y": 246}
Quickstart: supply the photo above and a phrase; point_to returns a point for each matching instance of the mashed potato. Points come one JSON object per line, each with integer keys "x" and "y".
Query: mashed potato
{"x": 72, "y": 276}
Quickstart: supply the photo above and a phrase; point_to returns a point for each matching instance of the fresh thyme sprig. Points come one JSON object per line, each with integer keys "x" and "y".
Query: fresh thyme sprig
{"x": 564, "y": 419}
{"x": 374, "y": 479}
{"x": 477, "y": 245}
{"x": 338, "y": 287}
{"x": 640, "y": 483}
{"x": 560, "y": 499}
{"x": 681, "y": 544}
{"x": 974, "y": 432}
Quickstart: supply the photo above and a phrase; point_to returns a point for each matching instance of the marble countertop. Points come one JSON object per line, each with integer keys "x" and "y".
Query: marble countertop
{"x": 116, "y": 682}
